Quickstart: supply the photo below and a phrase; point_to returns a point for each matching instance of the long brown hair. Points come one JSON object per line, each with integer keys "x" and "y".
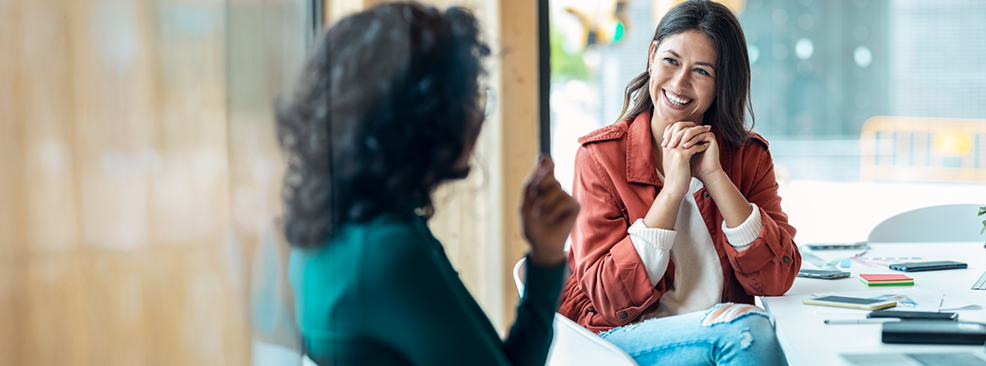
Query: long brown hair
{"x": 727, "y": 112}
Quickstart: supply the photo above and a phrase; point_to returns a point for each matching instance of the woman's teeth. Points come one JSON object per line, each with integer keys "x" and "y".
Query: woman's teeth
{"x": 676, "y": 100}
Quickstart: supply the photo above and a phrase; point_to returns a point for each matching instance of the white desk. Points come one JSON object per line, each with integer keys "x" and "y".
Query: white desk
{"x": 808, "y": 341}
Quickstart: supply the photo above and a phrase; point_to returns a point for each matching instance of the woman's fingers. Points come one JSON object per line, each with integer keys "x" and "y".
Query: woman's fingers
{"x": 543, "y": 191}
{"x": 697, "y": 148}
{"x": 679, "y": 137}
{"x": 547, "y": 214}
{"x": 669, "y": 131}
{"x": 673, "y": 134}
{"x": 548, "y": 183}
{"x": 695, "y": 135}
{"x": 674, "y": 138}
{"x": 536, "y": 178}
{"x": 556, "y": 204}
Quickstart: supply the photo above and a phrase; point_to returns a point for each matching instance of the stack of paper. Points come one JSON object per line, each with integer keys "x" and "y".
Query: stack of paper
{"x": 886, "y": 280}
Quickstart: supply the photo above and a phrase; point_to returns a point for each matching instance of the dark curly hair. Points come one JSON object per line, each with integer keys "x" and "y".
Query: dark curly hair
{"x": 380, "y": 114}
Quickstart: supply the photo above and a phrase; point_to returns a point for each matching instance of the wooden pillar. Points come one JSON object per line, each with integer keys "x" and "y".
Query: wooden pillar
{"x": 519, "y": 144}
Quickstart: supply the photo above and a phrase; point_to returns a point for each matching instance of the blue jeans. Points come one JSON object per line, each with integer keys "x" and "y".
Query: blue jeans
{"x": 748, "y": 339}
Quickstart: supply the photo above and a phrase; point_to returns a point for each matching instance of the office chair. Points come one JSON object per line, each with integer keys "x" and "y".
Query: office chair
{"x": 573, "y": 344}
{"x": 944, "y": 223}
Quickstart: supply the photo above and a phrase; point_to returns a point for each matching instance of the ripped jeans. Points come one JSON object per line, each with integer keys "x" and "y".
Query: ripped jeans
{"x": 691, "y": 339}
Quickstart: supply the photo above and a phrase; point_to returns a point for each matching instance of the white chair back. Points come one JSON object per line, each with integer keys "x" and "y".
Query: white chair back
{"x": 572, "y": 344}
{"x": 944, "y": 223}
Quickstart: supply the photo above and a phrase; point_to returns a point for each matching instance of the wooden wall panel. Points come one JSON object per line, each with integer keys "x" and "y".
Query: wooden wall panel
{"x": 117, "y": 240}
{"x": 188, "y": 165}
{"x": 11, "y": 187}
{"x": 114, "y": 95}
{"x": 47, "y": 129}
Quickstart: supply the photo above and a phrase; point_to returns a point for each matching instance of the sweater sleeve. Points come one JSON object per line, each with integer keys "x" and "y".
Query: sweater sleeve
{"x": 432, "y": 319}
{"x": 530, "y": 336}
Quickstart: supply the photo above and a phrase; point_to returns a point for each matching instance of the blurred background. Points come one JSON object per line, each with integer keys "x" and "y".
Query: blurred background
{"x": 140, "y": 175}
{"x": 871, "y": 107}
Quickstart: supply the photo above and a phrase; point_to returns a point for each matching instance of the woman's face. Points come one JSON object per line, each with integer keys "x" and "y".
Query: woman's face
{"x": 484, "y": 108}
{"x": 472, "y": 134}
{"x": 682, "y": 77}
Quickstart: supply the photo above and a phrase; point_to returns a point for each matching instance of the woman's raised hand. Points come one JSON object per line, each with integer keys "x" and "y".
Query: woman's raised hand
{"x": 706, "y": 163}
{"x": 680, "y": 142}
{"x": 547, "y": 214}
{"x": 705, "y": 160}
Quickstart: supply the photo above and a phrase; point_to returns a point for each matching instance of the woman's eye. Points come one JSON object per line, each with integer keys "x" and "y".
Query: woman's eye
{"x": 702, "y": 71}
{"x": 671, "y": 61}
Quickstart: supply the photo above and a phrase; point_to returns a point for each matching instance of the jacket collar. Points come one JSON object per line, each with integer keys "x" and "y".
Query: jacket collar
{"x": 640, "y": 161}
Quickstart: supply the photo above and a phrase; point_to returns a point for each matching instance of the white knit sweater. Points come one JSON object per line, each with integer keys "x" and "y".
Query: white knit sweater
{"x": 697, "y": 272}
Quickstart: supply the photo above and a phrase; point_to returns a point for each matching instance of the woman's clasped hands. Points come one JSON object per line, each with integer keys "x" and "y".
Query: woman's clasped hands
{"x": 689, "y": 150}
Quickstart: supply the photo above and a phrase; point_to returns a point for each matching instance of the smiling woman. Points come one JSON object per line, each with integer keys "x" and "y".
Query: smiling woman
{"x": 680, "y": 207}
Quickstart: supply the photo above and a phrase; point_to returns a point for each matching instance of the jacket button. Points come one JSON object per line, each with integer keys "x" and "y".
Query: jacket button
{"x": 786, "y": 259}
{"x": 727, "y": 298}
{"x": 623, "y": 315}
{"x": 590, "y": 310}
{"x": 705, "y": 195}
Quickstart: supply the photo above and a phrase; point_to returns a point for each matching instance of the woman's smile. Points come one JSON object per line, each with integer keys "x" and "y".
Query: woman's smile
{"x": 674, "y": 100}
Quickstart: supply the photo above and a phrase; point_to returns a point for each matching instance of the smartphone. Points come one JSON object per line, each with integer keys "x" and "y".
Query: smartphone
{"x": 850, "y": 302}
{"x": 837, "y": 246}
{"x": 913, "y": 315}
{"x": 927, "y": 266}
{"x": 823, "y": 274}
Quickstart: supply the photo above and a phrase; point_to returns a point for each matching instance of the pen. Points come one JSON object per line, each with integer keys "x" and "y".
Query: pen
{"x": 860, "y": 321}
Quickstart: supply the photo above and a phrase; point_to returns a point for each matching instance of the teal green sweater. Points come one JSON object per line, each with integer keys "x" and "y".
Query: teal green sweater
{"x": 384, "y": 293}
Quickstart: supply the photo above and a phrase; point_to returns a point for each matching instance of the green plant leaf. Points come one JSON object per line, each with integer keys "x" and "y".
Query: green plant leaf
{"x": 565, "y": 66}
{"x": 982, "y": 211}
{"x": 984, "y": 228}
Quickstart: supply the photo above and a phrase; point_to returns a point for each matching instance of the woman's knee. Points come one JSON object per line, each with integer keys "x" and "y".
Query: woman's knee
{"x": 749, "y": 321}
{"x": 730, "y": 313}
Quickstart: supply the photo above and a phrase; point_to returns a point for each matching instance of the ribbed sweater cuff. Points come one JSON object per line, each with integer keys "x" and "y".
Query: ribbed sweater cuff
{"x": 653, "y": 247}
{"x": 741, "y": 237}
{"x": 542, "y": 286}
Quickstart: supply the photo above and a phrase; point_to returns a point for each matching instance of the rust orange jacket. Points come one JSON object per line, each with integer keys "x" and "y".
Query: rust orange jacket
{"x": 616, "y": 182}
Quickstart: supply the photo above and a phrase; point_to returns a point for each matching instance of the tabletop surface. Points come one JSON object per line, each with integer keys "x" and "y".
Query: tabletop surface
{"x": 807, "y": 340}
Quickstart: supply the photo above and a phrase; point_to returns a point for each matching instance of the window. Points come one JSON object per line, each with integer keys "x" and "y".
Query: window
{"x": 871, "y": 107}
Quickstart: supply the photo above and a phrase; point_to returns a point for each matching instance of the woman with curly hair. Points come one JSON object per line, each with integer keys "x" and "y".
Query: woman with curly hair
{"x": 388, "y": 108}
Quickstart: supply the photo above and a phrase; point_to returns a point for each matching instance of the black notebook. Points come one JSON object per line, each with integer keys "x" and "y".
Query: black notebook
{"x": 934, "y": 332}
